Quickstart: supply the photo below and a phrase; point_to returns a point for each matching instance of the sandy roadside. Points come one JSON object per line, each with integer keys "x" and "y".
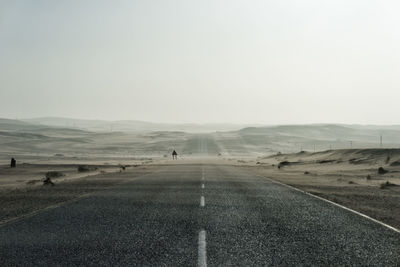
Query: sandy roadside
{"x": 359, "y": 187}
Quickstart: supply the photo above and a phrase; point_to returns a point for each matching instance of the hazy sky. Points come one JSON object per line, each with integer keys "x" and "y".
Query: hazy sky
{"x": 272, "y": 62}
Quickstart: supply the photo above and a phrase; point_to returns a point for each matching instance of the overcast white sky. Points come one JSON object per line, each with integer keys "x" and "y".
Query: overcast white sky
{"x": 273, "y": 62}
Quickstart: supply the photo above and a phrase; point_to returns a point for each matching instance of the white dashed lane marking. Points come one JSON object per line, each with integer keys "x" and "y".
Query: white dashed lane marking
{"x": 202, "y": 252}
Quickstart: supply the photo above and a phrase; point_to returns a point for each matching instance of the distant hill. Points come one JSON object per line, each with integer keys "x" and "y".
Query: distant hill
{"x": 132, "y": 125}
{"x": 328, "y": 132}
{"x": 293, "y": 138}
{"x": 48, "y": 136}
{"x": 17, "y": 125}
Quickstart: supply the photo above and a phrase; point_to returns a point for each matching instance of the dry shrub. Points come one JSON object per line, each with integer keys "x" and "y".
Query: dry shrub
{"x": 54, "y": 174}
{"x": 386, "y": 184}
{"x": 381, "y": 170}
{"x": 86, "y": 168}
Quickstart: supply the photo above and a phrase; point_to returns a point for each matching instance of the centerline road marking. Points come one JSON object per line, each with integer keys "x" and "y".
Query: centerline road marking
{"x": 202, "y": 252}
{"x": 202, "y": 202}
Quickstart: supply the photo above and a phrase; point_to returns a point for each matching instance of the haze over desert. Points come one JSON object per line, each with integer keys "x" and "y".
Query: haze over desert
{"x": 199, "y": 133}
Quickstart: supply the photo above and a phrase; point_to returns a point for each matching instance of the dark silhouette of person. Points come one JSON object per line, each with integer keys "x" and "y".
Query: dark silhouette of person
{"x": 13, "y": 163}
{"x": 174, "y": 155}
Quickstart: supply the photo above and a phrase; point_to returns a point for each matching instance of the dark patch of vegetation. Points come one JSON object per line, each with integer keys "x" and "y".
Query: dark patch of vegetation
{"x": 387, "y": 184}
{"x": 368, "y": 177}
{"x": 48, "y": 181}
{"x": 356, "y": 161}
{"x": 32, "y": 182}
{"x": 387, "y": 160}
{"x": 53, "y": 174}
{"x": 283, "y": 163}
{"x": 325, "y": 161}
{"x": 86, "y": 168}
{"x": 287, "y": 163}
{"x": 395, "y": 163}
{"x": 351, "y": 182}
{"x": 306, "y": 172}
{"x": 382, "y": 171}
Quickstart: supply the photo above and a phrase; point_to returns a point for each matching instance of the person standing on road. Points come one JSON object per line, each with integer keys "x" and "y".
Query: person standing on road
{"x": 13, "y": 163}
{"x": 174, "y": 155}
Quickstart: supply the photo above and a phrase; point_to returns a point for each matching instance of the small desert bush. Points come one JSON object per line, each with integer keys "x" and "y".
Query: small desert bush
{"x": 381, "y": 170}
{"x": 86, "y": 168}
{"x": 386, "y": 184}
{"x": 53, "y": 174}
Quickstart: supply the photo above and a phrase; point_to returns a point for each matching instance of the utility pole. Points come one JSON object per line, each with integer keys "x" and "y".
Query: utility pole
{"x": 381, "y": 140}
{"x": 351, "y": 144}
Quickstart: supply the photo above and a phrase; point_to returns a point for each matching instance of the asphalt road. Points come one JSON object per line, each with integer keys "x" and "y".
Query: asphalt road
{"x": 176, "y": 217}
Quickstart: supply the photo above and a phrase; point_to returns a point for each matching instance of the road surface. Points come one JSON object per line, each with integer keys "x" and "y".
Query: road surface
{"x": 198, "y": 215}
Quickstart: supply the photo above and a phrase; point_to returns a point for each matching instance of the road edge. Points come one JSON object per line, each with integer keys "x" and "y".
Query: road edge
{"x": 333, "y": 203}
